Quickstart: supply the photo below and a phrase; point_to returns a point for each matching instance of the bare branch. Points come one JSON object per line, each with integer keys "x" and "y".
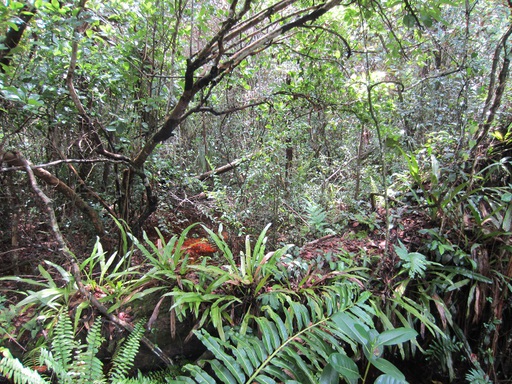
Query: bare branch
{"x": 494, "y": 70}
{"x": 193, "y": 86}
{"x": 237, "y": 58}
{"x": 437, "y": 76}
{"x": 225, "y": 168}
{"x": 65, "y": 161}
{"x": 200, "y": 108}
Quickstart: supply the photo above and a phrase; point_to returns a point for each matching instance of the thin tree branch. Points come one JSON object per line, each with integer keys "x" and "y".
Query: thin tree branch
{"x": 192, "y": 86}
{"x": 65, "y": 161}
{"x": 492, "y": 78}
{"x": 200, "y": 108}
{"x": 345, "y": 42}
{"x": 225, "y": 168}
{"x": 76, "y": 99}
{"x": 443, "y": 74}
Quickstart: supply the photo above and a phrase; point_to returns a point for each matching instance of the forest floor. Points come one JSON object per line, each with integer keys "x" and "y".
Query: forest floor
{"x": 36, "y": 244}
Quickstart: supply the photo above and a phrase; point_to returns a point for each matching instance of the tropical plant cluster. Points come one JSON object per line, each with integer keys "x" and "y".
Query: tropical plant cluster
{"x": 375, "y": 136}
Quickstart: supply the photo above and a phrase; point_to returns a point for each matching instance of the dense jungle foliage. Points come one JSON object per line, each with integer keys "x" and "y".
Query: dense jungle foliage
{"x": 255, "y": 191}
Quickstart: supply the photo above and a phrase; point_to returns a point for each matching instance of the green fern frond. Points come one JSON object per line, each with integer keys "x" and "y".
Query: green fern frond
{"x": 414, "y": 263}
{"x": 477, "y": 376}
{"x": 87, "y": 365}
{"x": 14, "y": 370}
{"x": 125, "y": 354}
{"x": 59, "y": 358}
{"x": 63, "y": 342}
{"x": 159, "y": 377}
{"x": 316, "y": 215}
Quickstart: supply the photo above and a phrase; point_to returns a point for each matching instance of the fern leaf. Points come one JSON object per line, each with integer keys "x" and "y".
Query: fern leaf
{"x": 279, "y": 323}
{"x": 253, "y": 347}
{"x": 296, "y": 349}
{"x": 59, "y": 359}
{"x": 125, "y": 354}
{"x": 223, "y": 373}
{"x": 300, "y": 313}
{"x": 278, "y": 369}
{"x": 183, "y": 380}
{"x": 271, "y": 339}
{"x": 244, "y": 360}
{"x": 87, "y": 364}
{"x": 63, "y": 342}
{"x": 322, "y": 340}
{"x": 302, "y": 369}
{"x": 14, "y": 370}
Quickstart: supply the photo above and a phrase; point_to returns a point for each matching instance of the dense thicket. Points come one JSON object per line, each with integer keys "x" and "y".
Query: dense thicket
{"x": 316, "y": 117}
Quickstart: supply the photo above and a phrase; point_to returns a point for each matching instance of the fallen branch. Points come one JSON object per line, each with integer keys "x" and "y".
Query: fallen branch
{"x": 225, "y": 168}
{"x": 75, "y": 269}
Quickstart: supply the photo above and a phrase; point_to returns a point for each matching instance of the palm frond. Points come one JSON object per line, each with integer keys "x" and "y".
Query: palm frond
{"x": 292, "y": 346}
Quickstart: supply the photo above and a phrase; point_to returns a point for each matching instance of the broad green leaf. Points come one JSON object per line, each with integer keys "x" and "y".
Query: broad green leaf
{"x": 223, "y": 373}
{"x": 362, "y": 333}
{"x": 387, "y": 367}
{"x": 347, "y": 325}
{"x": 262, "y": 379}
{"x": 396, "y": 336}
{"x": 388, "y": 379}
{"x": 329, "y": 375}
{"x": 344, "y": 365}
